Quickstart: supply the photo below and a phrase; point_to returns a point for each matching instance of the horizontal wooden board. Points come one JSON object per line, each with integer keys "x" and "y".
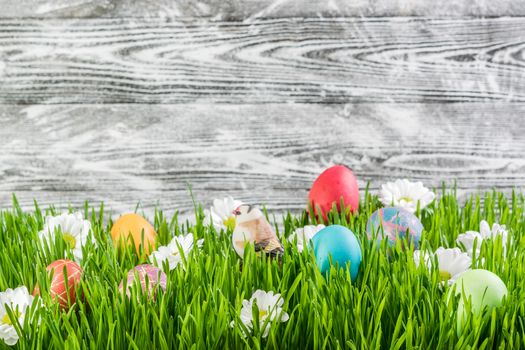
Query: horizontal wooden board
{"x": 250, "y": 9}
{"x": 268, "y": 154}
{"x": 356, "y": 60}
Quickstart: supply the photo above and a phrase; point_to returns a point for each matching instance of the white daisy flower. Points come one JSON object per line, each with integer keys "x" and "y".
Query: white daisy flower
{"x": 18, "y": 300}
{"x": 171, "y": 252}
{"x": 74, "y": 230}
{"x": 221, "y": 213}
{"x": 270, "y": 308}
{"x": 406, "y": 194}
{"x": 451, "y": 262}
{"x": 304, "y": 235}
{"x": 468, "y": 238}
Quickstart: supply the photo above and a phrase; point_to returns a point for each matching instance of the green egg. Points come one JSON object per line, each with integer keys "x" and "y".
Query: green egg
{"x": 485, "y": 289}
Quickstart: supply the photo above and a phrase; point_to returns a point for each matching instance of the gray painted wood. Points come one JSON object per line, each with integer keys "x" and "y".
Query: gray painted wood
{"x": 268, "y": 153}
{"x": 250, "y": 9}
{"x": 271, "y": 61}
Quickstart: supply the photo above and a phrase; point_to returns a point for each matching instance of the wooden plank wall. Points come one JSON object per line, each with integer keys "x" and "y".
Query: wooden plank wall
{"x": 133, "y": 101}
{"x": 242, "y": 10}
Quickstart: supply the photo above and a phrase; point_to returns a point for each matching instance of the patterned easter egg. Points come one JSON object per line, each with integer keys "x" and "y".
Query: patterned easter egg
{"x": 64, "y": 275}
{"x": 338, "y": 244}
{"x": 393, "y": 224}
{"x": 484, "y": 289}
{"x": 150, "y": 278}
{"x": 333, "y": 185}
{"x": 135, "y": 226}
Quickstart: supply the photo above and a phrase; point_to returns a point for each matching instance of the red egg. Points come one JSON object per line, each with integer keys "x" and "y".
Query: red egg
{"x": 156, "y": 278}
{"x": 63, "y": 272}
{"x": 334, "y": 184}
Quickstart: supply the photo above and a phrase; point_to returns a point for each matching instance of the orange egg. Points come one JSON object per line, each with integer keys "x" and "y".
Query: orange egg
{"x": 57, "y": 288}
{"x": 133, "y": 225}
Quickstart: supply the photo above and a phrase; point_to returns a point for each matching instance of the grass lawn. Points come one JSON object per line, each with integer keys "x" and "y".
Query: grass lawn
{"x": 392, "y": 305}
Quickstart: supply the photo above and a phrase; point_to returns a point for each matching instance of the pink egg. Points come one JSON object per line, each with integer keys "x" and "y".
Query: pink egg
{"x": 334, "y": 184}
{"x": 149, "y": 277}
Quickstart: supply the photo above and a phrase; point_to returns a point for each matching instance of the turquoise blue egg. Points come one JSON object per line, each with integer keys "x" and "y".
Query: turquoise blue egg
{"x": 339, "y": 243}
{"x": 394, "y": 224}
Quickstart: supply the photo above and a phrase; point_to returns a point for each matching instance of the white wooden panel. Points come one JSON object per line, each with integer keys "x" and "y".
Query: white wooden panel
{"x": 268, "y": 154}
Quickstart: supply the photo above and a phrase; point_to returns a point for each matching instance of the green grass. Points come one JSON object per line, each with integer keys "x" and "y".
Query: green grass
{"x": 392, "y": 305}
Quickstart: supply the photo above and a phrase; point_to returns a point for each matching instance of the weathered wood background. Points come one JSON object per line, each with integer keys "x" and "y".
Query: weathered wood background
{"x": 128, "y": 101}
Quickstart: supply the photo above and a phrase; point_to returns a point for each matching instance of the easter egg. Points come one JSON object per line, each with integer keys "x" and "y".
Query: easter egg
{"x": 484, "y": 289}
{"x": 135, "y": 226}
{"x": 393, "y": 224}
{"x": 333, "y": 185}
{"x": 64, "y": 275}
{"x": 150, "y": 278}
{"x": 341, "y": 245}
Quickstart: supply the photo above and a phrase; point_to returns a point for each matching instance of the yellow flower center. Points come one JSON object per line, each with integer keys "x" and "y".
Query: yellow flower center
{"x": 7, "y": 320}
{"x": 444, "y": 275}
{"x": 70, "y": 240}
{"x": 262, "y": 313}
{"x": 229, "y": 223}
{"x": 406, "y": 199}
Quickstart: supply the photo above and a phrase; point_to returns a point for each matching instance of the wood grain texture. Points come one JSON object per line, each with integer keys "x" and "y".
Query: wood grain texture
{"x": 273, "y": 61}
{"x": 252, "y": 9}
{"x": 268, "y": 154}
